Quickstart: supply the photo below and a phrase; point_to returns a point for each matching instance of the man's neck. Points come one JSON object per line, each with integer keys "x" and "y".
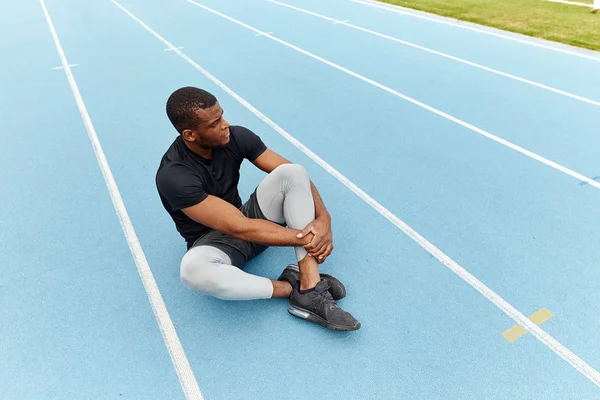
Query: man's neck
{"x": 204, "y": 152}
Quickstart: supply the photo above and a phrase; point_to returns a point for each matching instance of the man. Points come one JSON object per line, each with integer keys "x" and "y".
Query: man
{"x": 197, "y": 183}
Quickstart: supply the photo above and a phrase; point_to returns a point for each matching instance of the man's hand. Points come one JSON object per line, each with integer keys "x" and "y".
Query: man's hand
{"x": 321, "y": 245}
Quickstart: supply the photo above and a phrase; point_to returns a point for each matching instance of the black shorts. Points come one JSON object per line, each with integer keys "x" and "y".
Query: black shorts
{"x": 238, "y": 250}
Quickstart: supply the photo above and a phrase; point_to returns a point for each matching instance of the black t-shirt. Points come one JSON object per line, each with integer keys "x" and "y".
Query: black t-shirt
{"x": 185, "y": 179}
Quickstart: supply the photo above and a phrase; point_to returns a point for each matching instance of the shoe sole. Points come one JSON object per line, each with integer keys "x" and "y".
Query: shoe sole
{"x": 312, "y": 317}
{"x": 295, "y": 268}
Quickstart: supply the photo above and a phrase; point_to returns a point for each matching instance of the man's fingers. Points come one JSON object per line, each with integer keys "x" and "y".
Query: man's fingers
{"x": 306, "y": 231}
{"x": 313, "y": 245}
{"x": 320, "y": 248}
{"x": 325, "y": 251}
{"x": 324, "y": 256}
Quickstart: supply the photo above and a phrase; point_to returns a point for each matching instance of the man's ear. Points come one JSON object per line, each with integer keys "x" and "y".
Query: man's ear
{"x": 188, "y": 135}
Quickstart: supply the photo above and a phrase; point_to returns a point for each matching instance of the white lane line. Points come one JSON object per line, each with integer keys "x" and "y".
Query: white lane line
{"x": 442, "y": 114}
{"x": 488, "y": 293}
{"x": 61, "y": 67}
{"x": 180, "y": 47}
{"x": 178, "y": 357}
{"x": 439, "y": 53}
{"x": 572, "y": 3}
{"x": 467, "y": 26}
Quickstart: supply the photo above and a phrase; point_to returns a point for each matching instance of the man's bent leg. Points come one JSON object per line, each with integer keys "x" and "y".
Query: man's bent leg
{"x": 208, "y": 270}
{"x": 284, "y": 196}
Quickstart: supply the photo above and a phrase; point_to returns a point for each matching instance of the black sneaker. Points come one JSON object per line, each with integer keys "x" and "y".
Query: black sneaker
{"x": 319, "y": 307}
{"x": 291, "y": 273}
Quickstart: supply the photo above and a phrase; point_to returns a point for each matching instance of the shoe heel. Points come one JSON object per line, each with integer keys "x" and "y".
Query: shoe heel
{"x": 298, "y": 313}
{"x": 293, "y": 267}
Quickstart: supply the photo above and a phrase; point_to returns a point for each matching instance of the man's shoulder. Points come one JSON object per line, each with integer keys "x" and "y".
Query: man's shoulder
{"x": 174, "y": 163}
{"x": 243, "y": 137}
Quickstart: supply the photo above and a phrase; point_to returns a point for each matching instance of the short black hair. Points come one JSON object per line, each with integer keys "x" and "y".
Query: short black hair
{"x": 183, "y": 104}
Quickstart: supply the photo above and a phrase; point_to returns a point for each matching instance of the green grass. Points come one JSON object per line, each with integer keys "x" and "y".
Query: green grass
{"x": 558, "y": 22}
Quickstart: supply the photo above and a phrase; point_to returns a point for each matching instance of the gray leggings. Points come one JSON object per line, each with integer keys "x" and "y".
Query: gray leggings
{"x": 284, "y": 196}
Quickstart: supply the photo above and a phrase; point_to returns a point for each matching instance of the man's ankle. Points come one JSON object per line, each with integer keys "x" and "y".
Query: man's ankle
{"x": 309, "y": 272}
{"x": 281, "y": 289}
{"x": 309, "y": 285}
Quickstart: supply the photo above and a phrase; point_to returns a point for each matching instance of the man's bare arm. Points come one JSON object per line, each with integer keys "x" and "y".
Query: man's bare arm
{"x": 223, "y": 217}
{"x": 320, "y": 210}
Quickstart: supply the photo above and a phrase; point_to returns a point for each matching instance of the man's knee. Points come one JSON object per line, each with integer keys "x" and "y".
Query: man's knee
{"x": 198, "y": 275}
{"x": 207, "y": 270}
{"x": 292, "y": 172}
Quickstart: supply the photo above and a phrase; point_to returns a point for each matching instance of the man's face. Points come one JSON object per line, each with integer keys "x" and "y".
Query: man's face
{"x": 213, "y": 129}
